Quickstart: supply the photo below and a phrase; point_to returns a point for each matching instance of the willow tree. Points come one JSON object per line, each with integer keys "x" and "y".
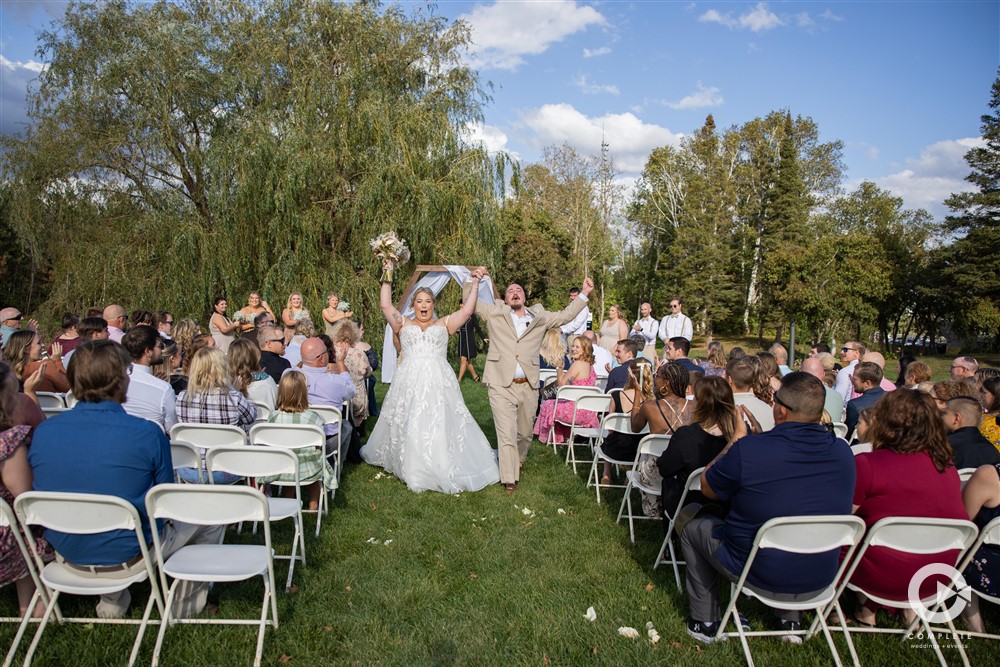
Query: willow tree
{"x": 229, "y": 146}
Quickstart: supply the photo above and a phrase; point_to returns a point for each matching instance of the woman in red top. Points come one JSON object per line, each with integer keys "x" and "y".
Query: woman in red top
{"x": 909, "y": 472}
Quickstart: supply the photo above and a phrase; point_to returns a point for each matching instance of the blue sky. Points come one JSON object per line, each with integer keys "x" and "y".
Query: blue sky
{"x": 902, "y": 84}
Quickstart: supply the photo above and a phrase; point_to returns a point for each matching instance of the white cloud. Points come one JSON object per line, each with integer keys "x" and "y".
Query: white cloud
{"x": 603, "y": 51}
{"x": 703, "y": 97}
{"x": 504, "y": 32}
{"x": 629, "y": 138}
{"x": 591, "y": 88}
{"x": 757, "y": 19}
{"x": 14, "y": 79}
{"x": 804, "y": 20}
{"x": 830, "y": 16}
{"x": 14, "y": 65}
{"x": 926, "y": 181}
{"x": 492, "y": 138}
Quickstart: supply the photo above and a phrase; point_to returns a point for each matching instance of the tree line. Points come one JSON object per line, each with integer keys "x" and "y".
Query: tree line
{"x": 182, "y": 150}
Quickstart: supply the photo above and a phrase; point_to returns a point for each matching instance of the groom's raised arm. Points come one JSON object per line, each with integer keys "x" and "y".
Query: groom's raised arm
{"x": 574, "y": 308}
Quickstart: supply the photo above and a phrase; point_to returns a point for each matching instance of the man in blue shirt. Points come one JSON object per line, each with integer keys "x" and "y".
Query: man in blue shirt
{"x": 98, "y": 448}
{"x": 798, "y": 468}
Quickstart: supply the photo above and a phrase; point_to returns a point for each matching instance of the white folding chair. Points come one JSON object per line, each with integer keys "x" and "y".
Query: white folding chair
{"x": 863, "y": 448}
{"x": 48, "y": 399}
{"x": 599, "y": 404}
{"x": 964, "y": 475}
{"x": 915, "y": 535}
{"x": 989, "y": 535}
{"x": 602, "y": 382}
{"x": 612, "y": 423}
{"x": 9, "y": 520}
{"x": 653, "y": 445}
{"x": 70, "y": 399}
{"x": 567, "y": 394}
{"x": 208, "y": 436}
{"x": 85, "y": 514}
{"x": 265, "y": 462}
{"x": 186, "y": 455}
{"x": 263, "y": 411}
{"x": 799, "y": 535}
{"x": 331, "y": 414}
{"x": 545, "y": 376}
{"x": 693, "y": 484}
{"x": 294, "y": 437}
{"x": 840, "y": 430}
{"x": 207, "y": 505}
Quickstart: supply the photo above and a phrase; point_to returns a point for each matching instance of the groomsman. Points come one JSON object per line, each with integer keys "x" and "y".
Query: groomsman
{"x": 676, "y": 323}
{"x": 647, "y": 326}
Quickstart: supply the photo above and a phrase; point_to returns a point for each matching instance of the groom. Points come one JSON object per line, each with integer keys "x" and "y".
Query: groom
{"x": 511, "y": 372}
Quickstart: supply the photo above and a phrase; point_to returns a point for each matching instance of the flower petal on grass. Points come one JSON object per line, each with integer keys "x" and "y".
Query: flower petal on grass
{"x": 591, "y": 615}
{"x": 631, "y": 633}
{"x": 387, "y": 542}
{"x": 560, "y": 511}
{"x": 371, "y": 540}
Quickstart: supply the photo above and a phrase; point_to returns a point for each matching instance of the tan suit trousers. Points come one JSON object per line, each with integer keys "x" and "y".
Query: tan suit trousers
{"x": 514, "y": 410}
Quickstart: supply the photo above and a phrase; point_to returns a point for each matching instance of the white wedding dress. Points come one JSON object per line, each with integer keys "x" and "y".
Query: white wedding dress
{"x": 425, "y": 435}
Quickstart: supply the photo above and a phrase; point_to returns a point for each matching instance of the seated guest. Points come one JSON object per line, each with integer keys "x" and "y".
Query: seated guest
{"x": 148, "y": 396}
{"x": 271, "y": 341}
{"x": 964, "y": 368}
{"x": 15, "y": 479}
{"x": 771, "y": 370}
{"x": 553, "y": 352}
{"x": 798, "y": 468}
{"x": 11, "y": 320}
{"x": 373, "y": 364}
{"x": 330, "y": 388}
{"x": 346, "y": 333}
{"x": 184, "y": 332}
{"x": 255, "y": 384}
{"x": 715, "y": 360}
{"x": 713, "y": 426}
{"x": 780, "y": 355}
{"x": 908, "y": 473}
{"x": 24, "y": 352}
{"x": 834, "y": 405}
{"x": 89, "y": 328}
{"x": 264, "y": 319}
{"x": 639, "y": 389}
{"x": 117, "y": 321}
{"x": 962, "y": 417}
{"x": 904, "y": 362}
{"x": 69, "y": 338}
{"x": 293, "y": 408}
{"x": 677, "y": 349}
{"x": 818, "y": 349}
{"x": 211, "y": 397}
{"x": 863, "y": 429}
{"x": 141, "y": 316}
{"x": 98, "y": 448}
{"x": 603, "y": 359}
{"x": 736, "y": 353}
{"x": 163, "y": 322}
{"x": 581, "y": 373}
{"x": 981, "y": 497}
{"x": 666, "y": 413}
{"x": 945, "y": 390}
{"x": 916, "y": 373}
{"x": 865, "y": 378}
{"x": 625, "y": 353}
{"x": 742, "y": 374}
{"x": 879, "y": 360}
{"x": 990, "y": 400}
{"x": 293, "y": 350}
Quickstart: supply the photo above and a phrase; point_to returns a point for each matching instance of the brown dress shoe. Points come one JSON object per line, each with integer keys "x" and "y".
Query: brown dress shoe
{"x": 510, "y": 488}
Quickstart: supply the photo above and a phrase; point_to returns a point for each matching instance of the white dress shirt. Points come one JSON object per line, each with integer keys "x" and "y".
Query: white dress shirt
{"x": 843, "y": 384}
{"x": 649, "y": 327}
{"x": 150, "y": 398}
{"x": 520, "y": 326}
{"x": 115, "y": 334}
{"x": 676, "y": 325}
{"x": 579, "y": 323}
{"x": 601, "y": 358}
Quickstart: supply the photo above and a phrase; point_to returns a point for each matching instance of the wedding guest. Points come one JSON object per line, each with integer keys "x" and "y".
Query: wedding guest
{"x": 293, "y": 313}
{"x": 89, "y": 328}
{"x": 347, "y": 335}
{"x": 148, "y": 397}
{"x": 69, "y": 338}
{"x": 332, "y": 313}
{"x": 916, "y": 373}
{"x": 714, "y": 364}
{"x": 373, "y": 363}
{"x": 613, "y": 329}
{"x": 271, "y": 342}
{"x": 249, "y": 379}
{"x": 990, "y": 399}
{"x": 142, "y": 316}
{"x": 981, "y": 497}
{"x": 183, "y": 332}
{"x": 553, "y": 353}
{"x": 293, "y": 349}
{"x": 904, "y": 363}
{"x": 467, "y": 348}
{"x": 771, "y": 370}
{"x": 198, "y": 342}
{"x": 163, "y": 322}
{"x": 117, "y": 321}
{"x": 23, "y": 350}
{"x": 581, "y": 373}
{"x": 638, "y": 390}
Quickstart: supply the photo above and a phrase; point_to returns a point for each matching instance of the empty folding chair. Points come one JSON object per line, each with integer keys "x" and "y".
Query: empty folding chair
{"x": 693, "y": 484}
{"x": 652, "y": 445}
{"x": 205, "y": 437}
{"x": 599, "y": 404}
{"x": 615, "y": 422}
{"x": 567, "y": 394}
{"x": 295, "y": 437}
{"x": 208, "y": 505}
{"x": 185, "y": 455}
{"x": 86, "y": 514}
{"x": 798, "y": 535}
{"x": 9, "y": 521}
{"x": 267, "y": 462}
{"x": 915, "y": 535}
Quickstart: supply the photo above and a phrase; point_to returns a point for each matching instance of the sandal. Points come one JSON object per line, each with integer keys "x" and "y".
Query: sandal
{"x": 605, "y": 481}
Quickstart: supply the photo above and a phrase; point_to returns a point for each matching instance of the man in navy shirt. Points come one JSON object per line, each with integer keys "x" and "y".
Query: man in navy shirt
{"x": 798, "y": 468}
{"x": 625, "y": 352}
{"x": 98, "y": 448}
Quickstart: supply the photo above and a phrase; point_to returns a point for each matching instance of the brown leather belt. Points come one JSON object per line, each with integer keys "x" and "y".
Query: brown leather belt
{"x": 98, "y": 569}
{"x": 520, "y": 380}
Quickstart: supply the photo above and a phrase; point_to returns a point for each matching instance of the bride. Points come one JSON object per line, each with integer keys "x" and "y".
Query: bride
{"x": 425, "y": 435}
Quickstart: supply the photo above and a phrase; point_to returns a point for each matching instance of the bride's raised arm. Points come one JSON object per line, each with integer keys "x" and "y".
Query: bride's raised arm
{"x": 460, "y": 317}
{"x": 392, "y": 316}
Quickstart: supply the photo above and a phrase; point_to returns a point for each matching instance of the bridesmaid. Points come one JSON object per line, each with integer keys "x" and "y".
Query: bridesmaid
{"x": 248, "y": 313}
{"x": 331, "y": 315}
{"x": 293, "y": 313}
{"x": 221, "y": 327}
{"x": 614, "y": 329}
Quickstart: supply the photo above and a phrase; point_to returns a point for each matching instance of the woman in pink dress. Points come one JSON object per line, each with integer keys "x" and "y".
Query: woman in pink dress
{"x": 581, "y": 373}
{"x": 909, "y": 472}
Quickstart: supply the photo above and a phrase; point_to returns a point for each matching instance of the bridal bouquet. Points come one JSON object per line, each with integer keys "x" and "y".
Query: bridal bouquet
{"x": 343, "y": 306}
{"x": 392, "y": 251}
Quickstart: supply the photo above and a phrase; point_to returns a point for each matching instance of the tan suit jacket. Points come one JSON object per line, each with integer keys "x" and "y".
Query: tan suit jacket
{"x": 507, "y": 350}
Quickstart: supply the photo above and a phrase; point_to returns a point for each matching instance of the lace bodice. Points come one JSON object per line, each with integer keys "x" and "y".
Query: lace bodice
{"x": 414, "y": 342}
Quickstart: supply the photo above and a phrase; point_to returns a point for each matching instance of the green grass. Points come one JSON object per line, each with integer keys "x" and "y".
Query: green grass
{"x": 466, "y": 579}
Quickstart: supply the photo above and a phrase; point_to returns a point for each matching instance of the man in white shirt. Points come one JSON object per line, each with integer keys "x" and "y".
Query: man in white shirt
{"x": 676, "y": 324}
{"x": 647, "y": 327}
{"x": 740, "y": 373}
{"x": 603, "y": 361}
{"x": 117, "y": 319}
{"x": 850, "y": 355}
{"x": 148, "y": 396}
{"x": 579, "y": 323}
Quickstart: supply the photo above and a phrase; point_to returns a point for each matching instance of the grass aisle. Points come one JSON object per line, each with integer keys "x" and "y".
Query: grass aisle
{"x": 399, "y": 578}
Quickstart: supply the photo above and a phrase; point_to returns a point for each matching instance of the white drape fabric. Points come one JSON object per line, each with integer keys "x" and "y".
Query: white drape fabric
{"x": 435, "y": 281}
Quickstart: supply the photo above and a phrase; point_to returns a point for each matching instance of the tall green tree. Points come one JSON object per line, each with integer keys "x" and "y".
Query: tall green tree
{"x": 248, "y": 145}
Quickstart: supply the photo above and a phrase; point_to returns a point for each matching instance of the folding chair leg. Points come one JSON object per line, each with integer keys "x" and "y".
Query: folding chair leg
{"x": 142, "y": 627}
{"x": 21, "y": 628}
{"x": 847, "y": 634}
{"x": 41, "y": 628}
{"x": 263, "y": 625}
{"x": 933, "y": 640}
{"x": 674, "y": 563}
{"x": 165, "y": 622}
{"x": 739, "y": 629}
